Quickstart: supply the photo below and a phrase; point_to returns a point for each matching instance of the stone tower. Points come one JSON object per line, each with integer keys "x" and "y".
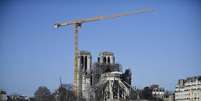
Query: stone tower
{"x": 106, "y": 58}
{"x": 84, "y": 69}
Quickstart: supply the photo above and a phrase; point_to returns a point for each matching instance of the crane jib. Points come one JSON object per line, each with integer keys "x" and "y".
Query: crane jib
{"x": 97, "y": 18}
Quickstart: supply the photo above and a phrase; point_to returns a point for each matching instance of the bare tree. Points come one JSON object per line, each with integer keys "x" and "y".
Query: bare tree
{"x": 43, "y": 94}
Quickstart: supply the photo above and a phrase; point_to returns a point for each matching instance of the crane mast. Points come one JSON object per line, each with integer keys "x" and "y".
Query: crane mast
{"x": 76, "y": 51}
{"x": 77, "y": 25}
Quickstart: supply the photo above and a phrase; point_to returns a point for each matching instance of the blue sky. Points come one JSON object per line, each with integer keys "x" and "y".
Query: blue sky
{"x": 159, "y": 47}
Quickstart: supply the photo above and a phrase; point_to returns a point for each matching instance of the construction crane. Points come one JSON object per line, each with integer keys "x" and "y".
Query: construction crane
{"x": 77, "y": 25}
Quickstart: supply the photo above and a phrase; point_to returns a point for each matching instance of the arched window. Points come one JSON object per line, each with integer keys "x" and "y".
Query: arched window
{"x": 104, "y": 60}
{"x": 98, "y": 59}
{"x": 85, "y": 67}
{"x": 113, "y": 59}
{"x": 108, "y": 60}
{"x": 82, "y": 60}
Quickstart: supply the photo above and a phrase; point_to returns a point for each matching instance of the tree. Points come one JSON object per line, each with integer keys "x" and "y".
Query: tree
{"x": 43, "y": 94}
{"x": 134, "y": 94}
{"x": 64, "y": 93}
{"x": 61, "y": 94}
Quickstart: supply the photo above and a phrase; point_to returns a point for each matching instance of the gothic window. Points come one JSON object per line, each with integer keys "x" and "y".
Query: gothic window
{"x": 104, "y": 60}
{"x": 108, "y": 60}
{"x": 85, "y": 67}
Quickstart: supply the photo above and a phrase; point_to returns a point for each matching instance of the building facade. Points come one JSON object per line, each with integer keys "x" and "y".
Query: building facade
{"x": 103, "y": 80}
{"x": 188, "y": 89}
{"x": 157, "y": 91}
{"x": 84, "y": 73}
{"x": 3, "y": 95}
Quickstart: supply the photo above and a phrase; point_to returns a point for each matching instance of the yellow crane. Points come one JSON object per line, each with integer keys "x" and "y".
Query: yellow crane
{"x": 77, "y": 25}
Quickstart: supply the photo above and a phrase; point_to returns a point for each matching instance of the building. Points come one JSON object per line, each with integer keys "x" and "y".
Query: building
{"x": 157, "y": 91}
{"x": 84, "y": 73}
{"x": 169, "y": 97}
{"x": 102, "y": 80}
{"x": 17, "y": 97}
{"x": 3, "y": 95}
{"x": 188, "y": 89}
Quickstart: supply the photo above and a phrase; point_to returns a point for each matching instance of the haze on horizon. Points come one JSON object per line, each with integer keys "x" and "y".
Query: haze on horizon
{"x": 159, "y": 47}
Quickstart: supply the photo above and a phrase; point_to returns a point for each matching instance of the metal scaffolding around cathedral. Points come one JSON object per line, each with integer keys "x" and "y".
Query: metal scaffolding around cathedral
{"x": 103, "y": 80}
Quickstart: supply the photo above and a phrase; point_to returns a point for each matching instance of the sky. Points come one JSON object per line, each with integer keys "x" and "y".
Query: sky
{"x": 159, "y": 47}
